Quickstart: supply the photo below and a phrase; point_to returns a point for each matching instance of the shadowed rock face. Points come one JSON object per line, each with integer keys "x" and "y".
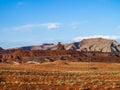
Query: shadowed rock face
{"x": 95, "y": 50}
{"x": 41, "y": 47}
{"x": 23, "y": 56}
{"x": 99, "y": 44}
{"x": 1, "y": 49}
{"x": 94, "y": 44}
{"x": 60, "y": 46}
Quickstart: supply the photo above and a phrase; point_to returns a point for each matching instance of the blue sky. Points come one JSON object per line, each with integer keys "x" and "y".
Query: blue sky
{"x": 33, "y": 22}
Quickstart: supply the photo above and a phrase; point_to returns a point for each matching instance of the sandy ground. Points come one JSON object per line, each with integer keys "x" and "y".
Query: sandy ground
{"x": 60, "y": 75}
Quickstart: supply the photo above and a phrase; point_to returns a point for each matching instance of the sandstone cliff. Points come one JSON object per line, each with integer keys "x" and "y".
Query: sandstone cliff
{"x": 95, "y": 50}
{"x": 88, "y": 45}
{"x": 99, "y": 44}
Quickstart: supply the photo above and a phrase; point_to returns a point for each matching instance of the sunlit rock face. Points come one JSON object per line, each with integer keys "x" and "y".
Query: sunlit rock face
{"x": 87, "y": 45}
{"x": 99, "y": 44}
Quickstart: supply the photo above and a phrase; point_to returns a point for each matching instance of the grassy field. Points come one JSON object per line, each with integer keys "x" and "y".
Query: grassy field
{"x": 60, "y": 75}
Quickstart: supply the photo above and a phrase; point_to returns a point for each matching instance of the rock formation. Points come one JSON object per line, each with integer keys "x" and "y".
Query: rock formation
{"x": 95, "y": 50}
{"x": 1, "y": 49}
{"x": 39, "y": 56}
{"x": 44, "y": 46}
{"x": 88, "y": 45}
{"x": 99, "y": 44}
{"x": 60, "y": 46}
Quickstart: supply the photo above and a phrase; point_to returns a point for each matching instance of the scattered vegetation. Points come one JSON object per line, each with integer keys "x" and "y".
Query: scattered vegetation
{"x": 35, "y": 77}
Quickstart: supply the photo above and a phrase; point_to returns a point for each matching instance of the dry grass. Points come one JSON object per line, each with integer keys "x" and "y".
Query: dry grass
{"x": 60, "y": 75}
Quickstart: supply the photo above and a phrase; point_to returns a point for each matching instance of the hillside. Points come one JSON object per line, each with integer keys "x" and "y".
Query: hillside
{"x": 88, "y": 45}
{"x": 94, "y": 50}
{"x": 99, "y": 44}
{"x": 1, "y": 49}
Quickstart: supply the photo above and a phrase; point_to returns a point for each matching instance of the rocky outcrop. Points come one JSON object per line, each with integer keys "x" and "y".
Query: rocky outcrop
{"x": 99, "y": 44}
{"x": 1, "y": 49}
{"x": 24, "y": 56}
{"x": 1, "y": 52}
{"x": 95, "y": 50}
{"x": 87, "y": 45}
{"x": 40, "y": 47}
{"x": 60, "y": 46}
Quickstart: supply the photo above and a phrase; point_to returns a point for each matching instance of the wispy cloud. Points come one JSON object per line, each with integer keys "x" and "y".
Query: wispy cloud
{"x": 28, "y": 27}
{"x": 13, "y": 44}
{"x": 51, "y": 25}
{"x": 97, "y": 36}
{"x": 76, "y": 25}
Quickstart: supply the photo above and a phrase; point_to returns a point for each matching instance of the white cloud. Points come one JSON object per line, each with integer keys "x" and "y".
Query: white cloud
{"x": 114, "y": 37}
{"x": 51, "y": 25}
{"x": 28, "y": 27}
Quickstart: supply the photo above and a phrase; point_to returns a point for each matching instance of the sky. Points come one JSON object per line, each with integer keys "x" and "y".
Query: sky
{"x": 33, "y": 22}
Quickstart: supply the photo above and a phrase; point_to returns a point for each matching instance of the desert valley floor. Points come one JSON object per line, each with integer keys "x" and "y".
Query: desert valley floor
{"x": 60, "y": 75}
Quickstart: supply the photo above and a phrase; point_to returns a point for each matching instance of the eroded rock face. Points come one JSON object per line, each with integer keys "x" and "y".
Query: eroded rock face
{"x": 40, "y": 47}
{"x": 24, "y": 56}
{"x": 60, "y": 46}
{"x": 97, "y": 50}
{"x": 99, "y": 44}
{"x": 1, "y": 49}
{"x": 1, "y": 52}
{"x": 88, "y": 45}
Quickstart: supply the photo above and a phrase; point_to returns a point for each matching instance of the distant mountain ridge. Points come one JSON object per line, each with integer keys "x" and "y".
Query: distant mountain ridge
{"x": 94, "y": 50}
{"x": 45, "y": 46}
{"x": 88, "y": 45}
{"x": 1, "y": 49}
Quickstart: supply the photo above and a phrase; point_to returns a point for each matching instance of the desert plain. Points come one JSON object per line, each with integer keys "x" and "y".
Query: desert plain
{"x": 60, "y": 75}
